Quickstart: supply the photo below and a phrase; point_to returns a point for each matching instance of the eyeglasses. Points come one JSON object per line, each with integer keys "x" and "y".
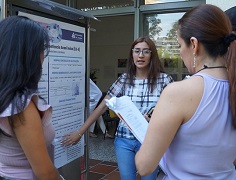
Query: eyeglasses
{"x": 145, "y": 52}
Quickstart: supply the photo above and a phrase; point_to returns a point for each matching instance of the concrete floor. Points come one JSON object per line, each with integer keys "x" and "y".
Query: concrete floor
{"x": 102, "y": 149}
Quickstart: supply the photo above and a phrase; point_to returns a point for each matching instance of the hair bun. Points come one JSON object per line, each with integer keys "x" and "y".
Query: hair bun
{"x": 229, "y": 38}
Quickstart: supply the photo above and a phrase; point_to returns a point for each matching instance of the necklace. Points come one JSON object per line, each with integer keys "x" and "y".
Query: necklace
{"x": 210, "y": 67}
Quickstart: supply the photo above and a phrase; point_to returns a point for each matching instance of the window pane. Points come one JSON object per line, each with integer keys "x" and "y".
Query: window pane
{"x": 103, "y": 4}
{"x": 162, "y": 30}
{"x": 163, "y": 1}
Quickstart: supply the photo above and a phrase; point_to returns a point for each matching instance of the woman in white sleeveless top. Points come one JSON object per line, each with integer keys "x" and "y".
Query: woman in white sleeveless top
{"x": 192, "y": 132}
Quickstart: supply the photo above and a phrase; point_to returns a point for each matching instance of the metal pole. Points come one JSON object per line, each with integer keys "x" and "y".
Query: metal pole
{"x": 136, "y": 19}
{"x": 86, "y": 155}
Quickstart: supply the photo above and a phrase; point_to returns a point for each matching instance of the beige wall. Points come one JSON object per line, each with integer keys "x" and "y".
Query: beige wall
{"x": 223, "y": 4}
{"x": 110, "y": 42}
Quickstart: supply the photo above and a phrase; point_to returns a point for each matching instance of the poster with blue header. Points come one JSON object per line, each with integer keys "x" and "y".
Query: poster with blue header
{"x": 62, "y": 83}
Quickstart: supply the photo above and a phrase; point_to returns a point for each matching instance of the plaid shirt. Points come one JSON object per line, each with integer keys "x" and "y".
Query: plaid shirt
{"x": 140, "y": 96}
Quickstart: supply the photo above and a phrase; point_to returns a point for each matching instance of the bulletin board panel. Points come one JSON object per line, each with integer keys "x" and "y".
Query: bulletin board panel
{"x": 63, "y": 83}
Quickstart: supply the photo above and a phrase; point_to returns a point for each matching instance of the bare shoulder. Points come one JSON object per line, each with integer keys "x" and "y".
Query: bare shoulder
{"x": 31, "y": 109}
{"x": 29, "y": 115}
{"x": 184, "y": 96}
{"x": 184, "y": 88}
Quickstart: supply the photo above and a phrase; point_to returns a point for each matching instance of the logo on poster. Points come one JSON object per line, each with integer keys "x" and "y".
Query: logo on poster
{"x": 54, "y": 32}
{"x": 76, "y": 36}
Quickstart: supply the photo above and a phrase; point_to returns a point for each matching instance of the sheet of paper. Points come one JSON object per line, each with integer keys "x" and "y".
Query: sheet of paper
{"x": 129, "y": 113}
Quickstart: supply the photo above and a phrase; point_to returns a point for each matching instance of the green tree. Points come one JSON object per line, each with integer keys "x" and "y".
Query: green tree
{"x": 170, "y": 41}
{"x": 172, "y": 32}
{"x": 153, "y": 26}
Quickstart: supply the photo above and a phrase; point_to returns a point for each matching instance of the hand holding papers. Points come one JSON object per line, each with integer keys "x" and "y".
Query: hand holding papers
{"x": 128, "y": 112}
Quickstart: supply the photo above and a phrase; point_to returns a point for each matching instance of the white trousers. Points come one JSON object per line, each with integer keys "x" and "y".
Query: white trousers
{"x": 100, "y": 123}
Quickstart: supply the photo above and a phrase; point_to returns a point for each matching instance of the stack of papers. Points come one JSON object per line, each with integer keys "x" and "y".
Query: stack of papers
{"x": 129, "y": 113}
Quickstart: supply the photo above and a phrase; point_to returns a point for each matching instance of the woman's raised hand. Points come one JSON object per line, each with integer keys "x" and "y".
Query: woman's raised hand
{"x": 71, "y": 139}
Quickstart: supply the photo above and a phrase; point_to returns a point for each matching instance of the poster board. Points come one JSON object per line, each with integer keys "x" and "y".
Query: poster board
{"x": 63, "y": 83}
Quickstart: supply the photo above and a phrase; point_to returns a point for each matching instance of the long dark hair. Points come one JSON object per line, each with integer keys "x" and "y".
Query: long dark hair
{"x": 213, "y": 30}
{"x": 22, "y": 43}
{"x": 155, "y": 66}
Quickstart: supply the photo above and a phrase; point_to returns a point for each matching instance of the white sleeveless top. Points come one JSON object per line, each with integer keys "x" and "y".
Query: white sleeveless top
{"x": 204, "y": 148}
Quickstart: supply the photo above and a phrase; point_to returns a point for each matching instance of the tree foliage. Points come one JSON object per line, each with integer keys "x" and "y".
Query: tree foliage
{"x": 154, "y": 28}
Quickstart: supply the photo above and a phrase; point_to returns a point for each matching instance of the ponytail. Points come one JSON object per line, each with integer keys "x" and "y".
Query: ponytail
{"x": 230, "y": 40}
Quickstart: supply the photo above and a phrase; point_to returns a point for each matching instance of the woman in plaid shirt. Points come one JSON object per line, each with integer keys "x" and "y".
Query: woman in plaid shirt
{"x": 143, "y": 82}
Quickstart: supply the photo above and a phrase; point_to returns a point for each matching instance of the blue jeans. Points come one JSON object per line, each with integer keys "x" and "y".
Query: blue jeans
{"x": 125, "y": 152}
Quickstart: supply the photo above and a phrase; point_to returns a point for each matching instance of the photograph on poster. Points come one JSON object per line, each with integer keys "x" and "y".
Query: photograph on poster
{"x": 122, "y": 63}
{"x": 75, "y": 89}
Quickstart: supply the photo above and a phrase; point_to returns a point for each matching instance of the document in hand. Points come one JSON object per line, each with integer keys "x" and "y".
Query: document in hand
{"x": 129, "y": 113}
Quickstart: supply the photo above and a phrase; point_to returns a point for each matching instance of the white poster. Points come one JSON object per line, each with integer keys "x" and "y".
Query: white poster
{"x": 63, "y": 83}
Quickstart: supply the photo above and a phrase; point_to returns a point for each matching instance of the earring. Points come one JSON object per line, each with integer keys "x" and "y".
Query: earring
{"x": 194, "y": 60}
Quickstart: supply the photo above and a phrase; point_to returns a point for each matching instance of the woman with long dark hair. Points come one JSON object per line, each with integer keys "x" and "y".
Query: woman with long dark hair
{"x": 26, "y": 131}
{"x": 192, "y": 132}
